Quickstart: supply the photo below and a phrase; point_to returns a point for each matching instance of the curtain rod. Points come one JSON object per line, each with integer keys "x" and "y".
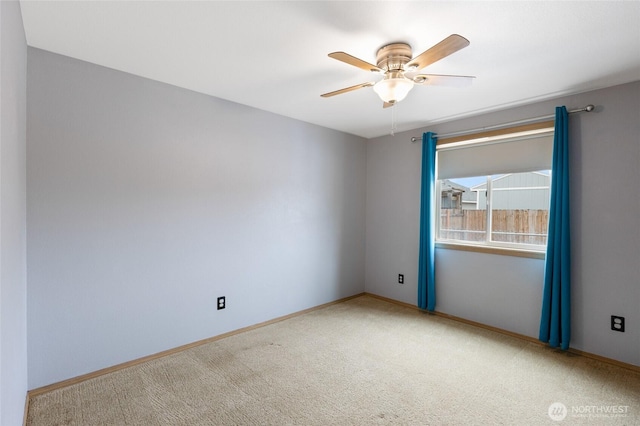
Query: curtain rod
{"x": 588, "y": 108}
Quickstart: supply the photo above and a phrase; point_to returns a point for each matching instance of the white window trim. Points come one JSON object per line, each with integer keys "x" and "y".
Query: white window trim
{"x": 505, "y": 251}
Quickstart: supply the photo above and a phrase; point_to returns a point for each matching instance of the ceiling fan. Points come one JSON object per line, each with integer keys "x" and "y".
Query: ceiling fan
{"x": 394, "y": 61}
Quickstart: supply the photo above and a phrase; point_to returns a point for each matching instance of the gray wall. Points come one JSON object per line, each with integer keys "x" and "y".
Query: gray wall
{"x": 503, "y": 291}
{"x": 13, "y": 274}
{"x": 146, "y": 202}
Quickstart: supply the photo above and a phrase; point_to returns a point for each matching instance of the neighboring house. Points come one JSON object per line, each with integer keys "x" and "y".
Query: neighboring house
{"x": 452, "y": 194}
{"x": 470, "y": 199}
{"x": 510, "y": 192}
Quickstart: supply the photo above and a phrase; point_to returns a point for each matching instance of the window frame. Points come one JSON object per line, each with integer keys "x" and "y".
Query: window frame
{"x": 489, "y": 246}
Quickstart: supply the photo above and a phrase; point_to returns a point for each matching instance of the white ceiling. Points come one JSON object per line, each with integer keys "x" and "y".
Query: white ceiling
{"x": 273, "y": 55}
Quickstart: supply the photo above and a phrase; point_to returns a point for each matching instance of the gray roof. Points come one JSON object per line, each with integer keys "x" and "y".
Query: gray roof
{"x": 447, "y": 185}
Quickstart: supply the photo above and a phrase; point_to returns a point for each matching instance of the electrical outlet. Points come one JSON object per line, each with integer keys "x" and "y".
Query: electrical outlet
{"x": 221, "y": 303}
{"x": 401, "y": 278}
{"x": 617, "y": 323}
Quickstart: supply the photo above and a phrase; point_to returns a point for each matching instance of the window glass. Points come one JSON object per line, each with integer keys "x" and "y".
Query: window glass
{"x": 463, "y": 212}
{"x": 520, "y": 208}
{"x": 513, "y": 206}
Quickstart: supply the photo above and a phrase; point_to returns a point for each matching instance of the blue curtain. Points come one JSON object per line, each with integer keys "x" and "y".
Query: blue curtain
{"x": 426, "y": 267}
{"x": 555, "y": 324}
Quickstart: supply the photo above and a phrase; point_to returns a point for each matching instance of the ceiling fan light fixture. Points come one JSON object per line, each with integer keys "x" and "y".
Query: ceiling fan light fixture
{"x": 392, "y": 90}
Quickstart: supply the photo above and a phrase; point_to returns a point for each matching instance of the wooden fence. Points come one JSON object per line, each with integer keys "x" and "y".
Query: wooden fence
{"x": 514, "y": 226}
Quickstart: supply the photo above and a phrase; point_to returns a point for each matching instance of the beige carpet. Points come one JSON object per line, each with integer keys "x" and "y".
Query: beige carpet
{"x": 361, "y": 362}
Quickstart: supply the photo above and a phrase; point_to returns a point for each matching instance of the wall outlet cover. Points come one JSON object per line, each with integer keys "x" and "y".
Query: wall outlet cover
{"x": 617, "y": 323}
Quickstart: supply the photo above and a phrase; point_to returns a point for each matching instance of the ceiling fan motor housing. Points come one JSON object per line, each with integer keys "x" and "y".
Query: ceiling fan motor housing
{"x": 394, "y": 57}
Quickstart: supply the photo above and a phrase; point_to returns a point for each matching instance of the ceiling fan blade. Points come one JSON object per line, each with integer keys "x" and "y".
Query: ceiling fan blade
{"x": 443, "y": 80}
{"x": 347, "y": 89}
{"x": 352, "y": 60}
{"x": 446, "y": 47}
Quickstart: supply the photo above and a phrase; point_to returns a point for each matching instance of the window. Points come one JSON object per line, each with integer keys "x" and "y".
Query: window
{"x": 495, "y": 191}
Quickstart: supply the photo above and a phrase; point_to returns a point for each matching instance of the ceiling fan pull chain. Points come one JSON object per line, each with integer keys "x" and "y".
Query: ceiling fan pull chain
{"x": 393, "y": 120}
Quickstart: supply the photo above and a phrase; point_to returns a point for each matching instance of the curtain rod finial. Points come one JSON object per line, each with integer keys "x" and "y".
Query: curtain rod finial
{"x": 414, "y": 139}
{"x": 589, "y": 108}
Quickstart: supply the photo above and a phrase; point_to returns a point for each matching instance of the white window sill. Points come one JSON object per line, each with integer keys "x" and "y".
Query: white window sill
{"x": 502, "y": 251}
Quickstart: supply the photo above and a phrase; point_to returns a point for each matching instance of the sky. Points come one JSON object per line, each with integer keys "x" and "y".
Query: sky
{"x": 470, "y": 181}
{"x": 476, "y": 180}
